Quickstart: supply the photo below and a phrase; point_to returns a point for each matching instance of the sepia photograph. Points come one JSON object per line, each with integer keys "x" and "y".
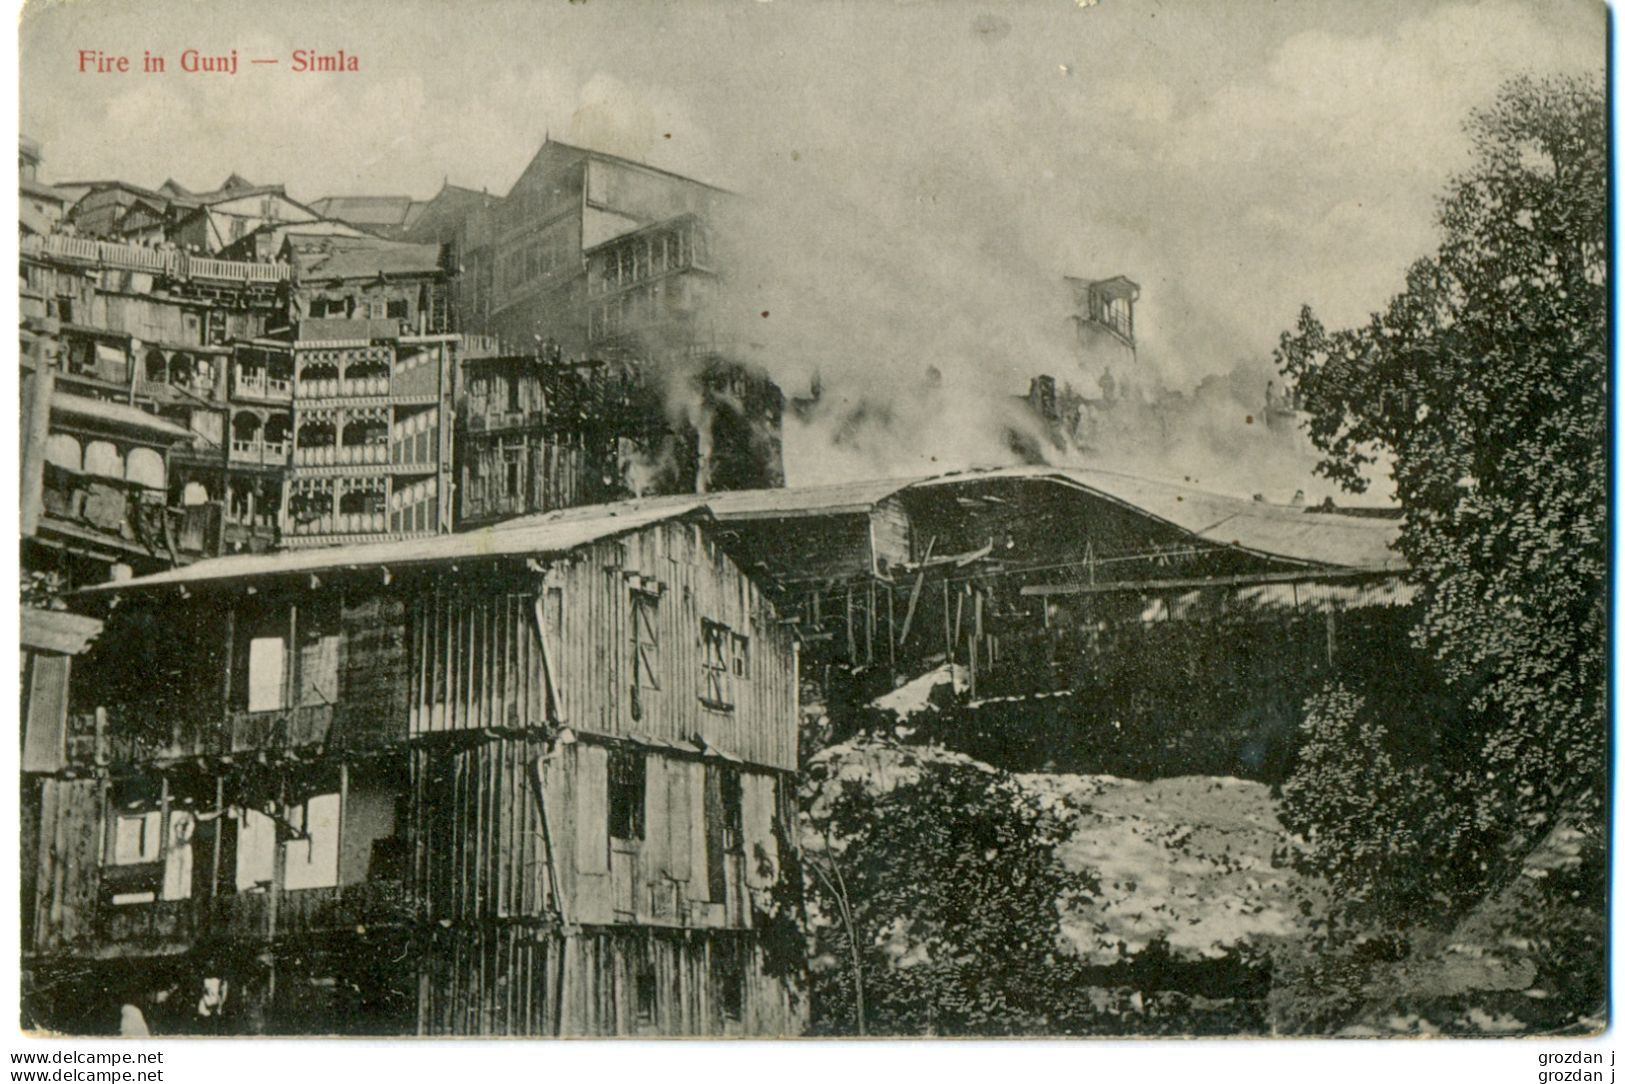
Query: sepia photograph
{"x": 814, "y": 519}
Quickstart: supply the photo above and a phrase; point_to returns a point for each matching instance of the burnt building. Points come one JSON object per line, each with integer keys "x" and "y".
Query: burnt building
{"x": 608, "y": 266}
{"x": 1081, "y": 618}
{"x": 537, "y": 781}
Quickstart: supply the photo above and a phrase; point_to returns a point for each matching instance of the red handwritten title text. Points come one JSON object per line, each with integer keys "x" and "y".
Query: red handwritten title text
{"x": 199, "y": 62}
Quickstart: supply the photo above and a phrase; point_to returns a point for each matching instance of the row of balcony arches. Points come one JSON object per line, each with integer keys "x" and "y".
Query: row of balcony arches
{"x": 248, "y": 427}
{"x": 178, "y": 369}
{"x": 102, "y": 458}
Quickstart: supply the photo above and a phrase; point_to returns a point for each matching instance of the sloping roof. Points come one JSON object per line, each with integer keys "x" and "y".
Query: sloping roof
{"x": 98, "y": 186}
{"x": 437, "y": 218}
{"x": 1271, "y": 530}
{"x": 119, "y": 414}
{"x": 58, "y": 631}
{"x": 327, "y": 256}
{"x": 1291, "y": 534}
{"x": 224, "y": 195}
{"x": 551, "y": 145}
{"x": 543, "y": 540}
{"x": 366, "y": 210}
{"x": 42, "y": 190}
{"x": 743, "y": 504}
{"x": 33, "y": 220}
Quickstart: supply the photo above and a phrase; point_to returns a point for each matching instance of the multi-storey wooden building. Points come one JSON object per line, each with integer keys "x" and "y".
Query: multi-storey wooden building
{"x": 355, "y": 417}
{"x": 537, "y": 781}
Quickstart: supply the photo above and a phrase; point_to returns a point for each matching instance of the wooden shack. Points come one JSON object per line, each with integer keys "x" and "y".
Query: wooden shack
{"x": 530, "y": 782}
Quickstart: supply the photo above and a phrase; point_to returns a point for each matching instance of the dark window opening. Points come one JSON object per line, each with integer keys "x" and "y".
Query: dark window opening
{"x": 626, "y": 784}
{"x": 647, "y": 989}
{"x": 396, "y": 310}
{"x": 645, "y": 647}
{"x": 733, "y": 811}
{"x": 716, "y": 685}
{"x": 728, "y": 961}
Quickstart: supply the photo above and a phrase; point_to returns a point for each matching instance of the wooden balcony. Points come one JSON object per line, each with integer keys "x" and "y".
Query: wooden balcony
{"x": 130, "y": 928}
{"x": 93, "y": 738}
{"x": 266, "y": 453}
{"x": 261, "y": 387}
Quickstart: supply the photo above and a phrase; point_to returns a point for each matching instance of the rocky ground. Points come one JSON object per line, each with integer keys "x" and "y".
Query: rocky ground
{"x": 1198, "y": 870}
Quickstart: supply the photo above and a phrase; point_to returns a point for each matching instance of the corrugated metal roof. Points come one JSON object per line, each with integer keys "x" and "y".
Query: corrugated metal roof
{"x": 55, "y": 630}
{"x": 539, "y": 540}
{"x": 119, "y": 414}
{"x": 746, "y": 504}
{"x": 1288, "y": 533}
{"x": 329, "y": 256}
{"x": 1271, "y": 530}
{"x": 366, "y": 210}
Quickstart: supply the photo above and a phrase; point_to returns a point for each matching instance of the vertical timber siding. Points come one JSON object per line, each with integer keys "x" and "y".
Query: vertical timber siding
{"x": 695, "y": 582}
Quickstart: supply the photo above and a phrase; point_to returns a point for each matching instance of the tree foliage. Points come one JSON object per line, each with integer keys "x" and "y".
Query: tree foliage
{"x": 1484, "y": 383}
{"x": 955, "y": 891}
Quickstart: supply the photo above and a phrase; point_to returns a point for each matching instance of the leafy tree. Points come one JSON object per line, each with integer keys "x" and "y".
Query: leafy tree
{"x": 954, "y": 890}
{"x": 1484, "y": 385}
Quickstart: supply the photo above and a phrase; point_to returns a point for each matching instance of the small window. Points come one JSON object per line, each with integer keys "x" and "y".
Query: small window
{"x": 267, "y": 657}
{"x": 716, "y": 662}
{"x": 728, "y": 964}
{"x": 311, "y": 859}
{"x": 733, "y": 812}
{"x": 397, "y": 310}
{"x": 626, "y": 781}
{"x": 647, "y": 990}
{"x": 511, "y": 474}
{"x": 645, "y": 644}
{"x": 136, "y": 838}
{"x": 741, "y": 657}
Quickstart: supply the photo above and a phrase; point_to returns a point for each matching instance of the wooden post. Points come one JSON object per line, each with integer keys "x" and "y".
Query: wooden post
{"x": 947, "y": 633}
{"x": 851, "y": 630}
{"x": 163, "y": 833}
{"x": 344, "y": 800}
{"x": 869, "y": 628}
{"x": 219, "y": 830}
{"x": 891, "y": 629}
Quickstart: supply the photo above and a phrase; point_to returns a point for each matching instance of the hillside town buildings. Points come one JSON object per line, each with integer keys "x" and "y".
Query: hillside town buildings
{"x": 418, "y": 636}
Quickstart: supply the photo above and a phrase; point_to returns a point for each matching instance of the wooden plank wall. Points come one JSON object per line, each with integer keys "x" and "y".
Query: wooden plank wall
{"x": 475, "y": 660}
{"x": 508, "y": 981}
{"x": 591, "y": 636}
{"x": 68, "y": 862}
{"x": 889, "y": 525}
{"x": 480, "y": 851}
{"x": 373, "y": 672}
{"x": 667, "y": 873}
{"x": 476, "y": 832}
{"x": 481, "y": 873}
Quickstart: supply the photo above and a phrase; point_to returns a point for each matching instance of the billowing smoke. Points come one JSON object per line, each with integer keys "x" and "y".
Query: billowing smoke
{"x": 906, "y": 340}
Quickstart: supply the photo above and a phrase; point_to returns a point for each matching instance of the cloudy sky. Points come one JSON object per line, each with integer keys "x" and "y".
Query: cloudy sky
{"x": 919, "y": 174}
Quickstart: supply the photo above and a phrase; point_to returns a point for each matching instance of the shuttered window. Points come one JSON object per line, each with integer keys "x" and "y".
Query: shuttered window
{"x": 645, "y": 646}
{"x": 716, "y": 663}
{"x": 626, "y": 790}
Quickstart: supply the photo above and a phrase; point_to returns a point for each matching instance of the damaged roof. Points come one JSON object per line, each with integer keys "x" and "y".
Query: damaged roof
{"x": 843, "y": 498}
{"x": 1325, "y": 538}
{"x": 1293, "y": 534}
{"x": 329, "y": 256}
{"x": 540, "y": 540}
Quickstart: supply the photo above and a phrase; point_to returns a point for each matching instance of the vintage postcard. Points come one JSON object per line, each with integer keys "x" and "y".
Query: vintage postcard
{"x": 1068, "y": 518}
